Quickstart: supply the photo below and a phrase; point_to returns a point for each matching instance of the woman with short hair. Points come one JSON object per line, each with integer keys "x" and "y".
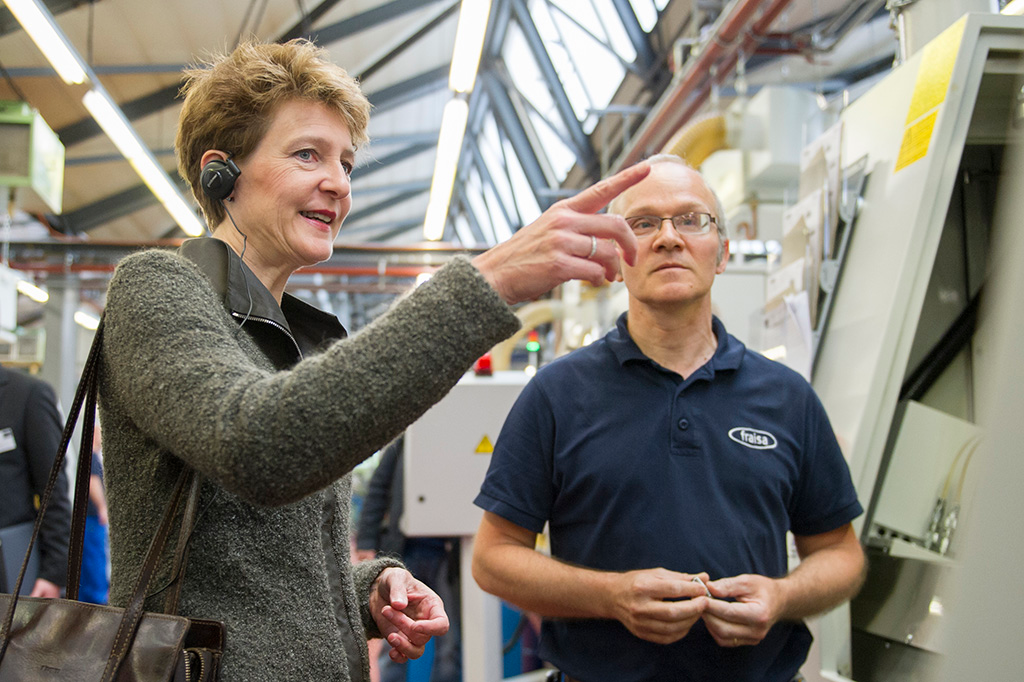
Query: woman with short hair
{"x": 208, "y": 363}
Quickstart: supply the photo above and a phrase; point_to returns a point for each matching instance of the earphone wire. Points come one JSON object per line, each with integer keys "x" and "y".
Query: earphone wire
{"x": 245, "y": 241}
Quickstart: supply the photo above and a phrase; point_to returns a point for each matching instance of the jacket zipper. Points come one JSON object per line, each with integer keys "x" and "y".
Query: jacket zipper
{"x": 257, "y": 318}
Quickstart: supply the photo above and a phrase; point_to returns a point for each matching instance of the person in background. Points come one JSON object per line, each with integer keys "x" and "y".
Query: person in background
{"x": 95, "y": 583}
{"x": 670, "y": 462}
{"x": 30, "y": 433}
{"x": 434, "y": 560}
{"x": 208, "y": 363}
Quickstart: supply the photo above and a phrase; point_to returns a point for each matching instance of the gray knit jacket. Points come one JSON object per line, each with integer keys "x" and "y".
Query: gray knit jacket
{"x": 181, "y": 383}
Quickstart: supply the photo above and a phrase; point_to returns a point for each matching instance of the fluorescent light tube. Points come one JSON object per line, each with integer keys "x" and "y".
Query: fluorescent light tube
{"x": 114, "y": 124}
{"x": 32, "y": 291}
{"x": 87, "y": 320}
{"x": 117, "y": 128}
{"x": 449, "y": 148}
{"x": 43, "y": 31}
{"x": 469, "y": 43}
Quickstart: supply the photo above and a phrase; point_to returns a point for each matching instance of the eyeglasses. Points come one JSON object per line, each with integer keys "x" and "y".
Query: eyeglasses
{"x": 687, "y": 223}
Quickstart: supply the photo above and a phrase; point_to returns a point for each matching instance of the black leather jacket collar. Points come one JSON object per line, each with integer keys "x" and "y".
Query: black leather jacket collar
{"x": 294, "y": 324}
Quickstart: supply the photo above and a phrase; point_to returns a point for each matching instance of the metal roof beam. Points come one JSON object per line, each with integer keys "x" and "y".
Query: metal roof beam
{"x": 514, "y": 222}
{"x": 645, "y": 56}
{"x": 384, "y": 204}
{"x": 366, "y": 20}
{"x": 168, "y": 96}
{"x": 395, "y": 157}
{"x": 87, "y": 128}
{"x": 400, "y": 225}
{"x": 418, "y": 185}
{"x": 508, "y": 121}
{"x": 399, "y": 229}
{"x": 302, "y": 28}
{"x": 587, "y": 159}
{"x": 8, "y": 24}
{"x": 502, "y": 15}
{"x": 466, "y": 210}
{"x": 138, "y": 197}
{"x": 108, "y": 208}
{"x": 429, "y": 25}
{"x": 410, "y": 89}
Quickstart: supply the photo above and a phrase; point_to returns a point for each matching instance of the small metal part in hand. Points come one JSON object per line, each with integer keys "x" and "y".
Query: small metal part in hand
{"x": 696, "y": 579}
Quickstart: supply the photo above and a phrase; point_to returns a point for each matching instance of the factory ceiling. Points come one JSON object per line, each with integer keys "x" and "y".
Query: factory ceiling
{"x": 567, "y": 91}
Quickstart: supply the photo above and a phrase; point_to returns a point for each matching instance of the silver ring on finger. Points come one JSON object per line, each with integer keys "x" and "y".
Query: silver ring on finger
{"x": 735, "y": 641}
{"x": 593, "y": 247}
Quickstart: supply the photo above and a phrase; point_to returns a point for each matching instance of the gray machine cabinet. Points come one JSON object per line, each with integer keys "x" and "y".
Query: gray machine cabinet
{"x": 863, "y": 358}
{"x": 447, "y": 452}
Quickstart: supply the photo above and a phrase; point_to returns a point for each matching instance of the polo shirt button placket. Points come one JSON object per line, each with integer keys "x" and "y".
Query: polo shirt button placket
{"x": 684, "y": 424}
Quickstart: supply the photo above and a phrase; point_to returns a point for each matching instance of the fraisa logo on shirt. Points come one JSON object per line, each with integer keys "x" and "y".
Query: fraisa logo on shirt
{"x": 753, "y": 438}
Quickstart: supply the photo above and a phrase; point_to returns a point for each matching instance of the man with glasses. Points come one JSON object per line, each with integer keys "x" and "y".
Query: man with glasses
{"x": 669, "y": 462}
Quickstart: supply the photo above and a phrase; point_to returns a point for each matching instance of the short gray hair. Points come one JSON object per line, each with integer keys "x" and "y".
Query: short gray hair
{"x": 723, "y": 234}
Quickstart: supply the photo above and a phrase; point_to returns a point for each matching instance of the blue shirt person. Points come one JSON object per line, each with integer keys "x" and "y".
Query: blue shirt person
{"x": 665, "y": 452}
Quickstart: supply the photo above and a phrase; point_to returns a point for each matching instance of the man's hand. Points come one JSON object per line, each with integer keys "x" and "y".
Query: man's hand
{"x": 745, "y": 621}
{"x": 44, "y": 588}
{"x": 659, "y": 605}
{"x": 407, "y": 612}
{"x": 570, "y": 240}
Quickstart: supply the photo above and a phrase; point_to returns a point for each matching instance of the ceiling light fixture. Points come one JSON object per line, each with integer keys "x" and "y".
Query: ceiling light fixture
{"x": 109, "y": 116}
{"x": 469, "y": 45}
{"x": 86, "y": 320}
{"x": 37, "y": 294}
{"x": 449, "y": 148}
{"x": 41, "y": 28}
{"x": 37, "y": 21}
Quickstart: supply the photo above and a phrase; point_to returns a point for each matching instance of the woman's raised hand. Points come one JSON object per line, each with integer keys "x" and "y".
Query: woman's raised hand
{"x": 570, "y": 240}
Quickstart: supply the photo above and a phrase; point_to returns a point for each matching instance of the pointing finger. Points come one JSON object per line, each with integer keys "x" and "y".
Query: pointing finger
{"x": 597, "y": 196}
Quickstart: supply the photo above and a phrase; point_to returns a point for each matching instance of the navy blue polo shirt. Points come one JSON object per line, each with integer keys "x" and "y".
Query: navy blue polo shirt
{"x": 634, "y": 467}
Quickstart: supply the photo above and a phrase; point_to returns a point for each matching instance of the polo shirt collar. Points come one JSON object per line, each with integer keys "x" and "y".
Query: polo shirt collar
{"x": 728, "y": 355}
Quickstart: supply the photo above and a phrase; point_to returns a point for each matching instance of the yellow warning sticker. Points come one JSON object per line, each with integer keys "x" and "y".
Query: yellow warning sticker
{"x": 485, "y": 447}
{"x": 937, "y": 60}
{"x": 934, "y": 74}
{"x": 916, "y": 139}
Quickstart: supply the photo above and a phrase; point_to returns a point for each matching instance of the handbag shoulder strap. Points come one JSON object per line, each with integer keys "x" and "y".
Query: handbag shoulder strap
{"x": 87, "y": 386}
{"x": 134, "y": 610}
{"x": 188, "y": 522}
{"x": 86, "y": 392}
{"x": 81, "y": 494}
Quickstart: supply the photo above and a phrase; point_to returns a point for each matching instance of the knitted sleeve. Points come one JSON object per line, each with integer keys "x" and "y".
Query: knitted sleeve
{"x": 175, "y": 365}
{"x": 363, "y": 575}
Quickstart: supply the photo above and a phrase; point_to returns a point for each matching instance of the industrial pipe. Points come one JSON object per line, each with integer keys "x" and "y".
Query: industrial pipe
{"x": 723, "y": 44}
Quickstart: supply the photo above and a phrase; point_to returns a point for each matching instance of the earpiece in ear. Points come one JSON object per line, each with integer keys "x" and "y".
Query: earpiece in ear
{"x": 218, "y": 178}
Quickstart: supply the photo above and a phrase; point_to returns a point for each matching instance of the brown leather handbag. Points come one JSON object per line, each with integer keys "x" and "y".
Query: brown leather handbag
{"x": 60, "y": 640}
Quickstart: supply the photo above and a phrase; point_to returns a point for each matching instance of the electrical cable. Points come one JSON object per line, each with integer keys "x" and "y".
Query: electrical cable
{"x": 14, "y": 86}
{"x": 259, "y": 16}
{"x": 245, "y": 21}
{"x": 90, "y": 33}
{"x": 946, "y": 513}
{"x": 970, "y": 445}
{"x": 245, "y": 241}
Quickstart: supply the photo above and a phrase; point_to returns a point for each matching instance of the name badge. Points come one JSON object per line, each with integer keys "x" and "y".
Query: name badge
{"x": 7, "y": 442}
